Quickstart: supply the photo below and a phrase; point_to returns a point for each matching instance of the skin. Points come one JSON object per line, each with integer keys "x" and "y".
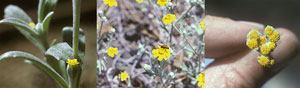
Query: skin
{"x": 235, "y": 64}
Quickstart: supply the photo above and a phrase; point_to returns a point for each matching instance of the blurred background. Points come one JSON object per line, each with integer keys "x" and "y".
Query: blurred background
{"x": 17, "y": 74}
{"x": 278, "y": 13}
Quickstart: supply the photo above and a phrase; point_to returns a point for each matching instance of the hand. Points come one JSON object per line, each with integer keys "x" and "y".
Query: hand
{"x": 236, "y": 65}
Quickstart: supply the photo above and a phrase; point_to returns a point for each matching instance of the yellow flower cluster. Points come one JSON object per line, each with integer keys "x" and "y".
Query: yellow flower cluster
{"x": 112, "y": 51}
{"x": 110, "y": 3}
{"x": 123, "y": 76}
{"x": 72, "y": 62}
{"x": 201, "y": 80}
{"x": 162, "y": 2}
{"x": 161, "y": 53}
{"x": 265, "y": 43}
{"x": 169, "y": 18}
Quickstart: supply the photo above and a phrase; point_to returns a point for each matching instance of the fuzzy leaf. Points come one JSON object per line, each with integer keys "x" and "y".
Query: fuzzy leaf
{"x": 184, "y": 67}
{"x": 37, "y": 62}
{"x": 60, "y": 51}
{"x": 12, "y": 11}
{"x": 25, "y": 29}
{"x": 19, "y": 23}
{"x": 46, "y": 21}
{"x": 49, "y": 6}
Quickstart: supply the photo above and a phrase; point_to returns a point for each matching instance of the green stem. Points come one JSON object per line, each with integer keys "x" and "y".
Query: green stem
{"x": 100, "y": 30}
{"x": 75, "y": 73}
{"x": 184, "y": 37}
{"x": 184, "y": 13}
{"x": 76, "y": 21}
{"x": 41, "y": 11}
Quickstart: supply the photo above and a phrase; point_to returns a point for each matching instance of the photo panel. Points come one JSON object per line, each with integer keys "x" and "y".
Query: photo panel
{"x": 150, "y": 43}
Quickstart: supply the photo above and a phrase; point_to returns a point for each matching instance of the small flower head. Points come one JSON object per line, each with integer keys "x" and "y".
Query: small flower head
{"x": 162, "y": 2}
{"x": 139, "y": 1}
{"x": 272, "y": 45}
{"x": 202, "y": 24}
{"x": 112, "y": 51}
{"x": 123, "y": 76}
{"x": 169, "y": 18}
{"x": 72, "y": 62}
{"x": 252, "y": 43}
{"x": 110, "y": 3}
{"x": 263, "y": 60}
{"x": 265, "y": 49}
{"x": 201, "y": 80}
{"x": 31, "y": 24}
{"x": 269, "y": 30}
{"x": 272, "y": 62}
{"x": 262, "y": 40}
{"x": 253, "y": 34}
{"x": 161, "y": 53}
{"x": 274, "y": 37}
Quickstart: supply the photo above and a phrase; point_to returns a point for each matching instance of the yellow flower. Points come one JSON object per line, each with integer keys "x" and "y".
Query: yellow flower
{"x": 252, "y": 43}
{"x": 112, "y": 51}
{"x": 253, "y": 34}
{"x": 139, "y": 1}
{"x": 110, "y": 3}
{"x": 263, "y": 60}
{"x": 169, "y": 18}
{"x": 272, "y": 45}
{"x": 73, "y": 62}
{"x": 31, "y": 24}
{"x": 201, "y": 79}
{"x": 265, "y": 49}
{"x": 274, "y": 37}
{"x": 272, "y": 62}
{"x": 262, "y": 40}
{"x": 161, "y": 53}
{"x": 123, "y": 76}
{"x": 202, "y": 24}
{"x": 269, "y": 30}
{"x": 162, "y": 2}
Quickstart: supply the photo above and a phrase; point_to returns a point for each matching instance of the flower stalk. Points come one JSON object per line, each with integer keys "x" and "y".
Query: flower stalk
{"x": 74, "y": 72}
{"x": 76, "y": 22}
